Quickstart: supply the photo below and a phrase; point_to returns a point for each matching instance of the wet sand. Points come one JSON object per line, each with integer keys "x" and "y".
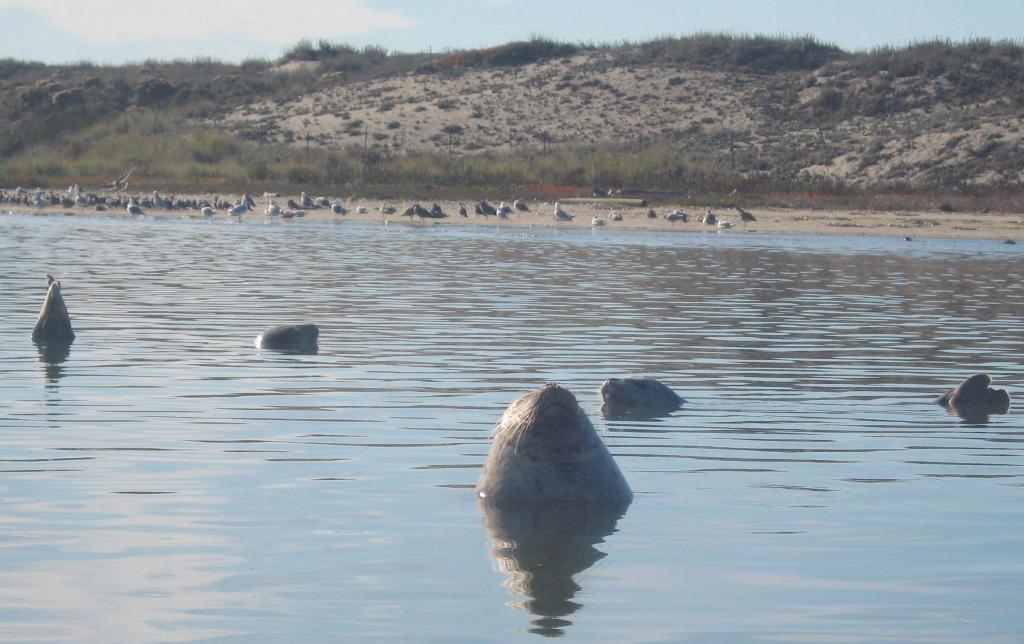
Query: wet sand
{"x": 968, "y": 225}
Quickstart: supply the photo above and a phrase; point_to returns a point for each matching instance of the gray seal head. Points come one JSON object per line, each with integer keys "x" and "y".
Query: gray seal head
{"x": 637, "y": 398}
{"x": 975, "y": 398}
{"x": 546, "y": 449}
{"x": 290, "y": 338}
{"x": 53, "y": 327}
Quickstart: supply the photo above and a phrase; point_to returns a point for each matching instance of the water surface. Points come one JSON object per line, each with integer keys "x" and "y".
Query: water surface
{"x": 166, "y": 481}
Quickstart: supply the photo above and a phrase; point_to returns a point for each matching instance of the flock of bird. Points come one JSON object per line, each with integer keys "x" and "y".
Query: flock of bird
{"x": 138, "y": 205}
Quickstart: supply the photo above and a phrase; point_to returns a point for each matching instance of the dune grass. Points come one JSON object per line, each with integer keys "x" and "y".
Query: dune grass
{"x": 196, "y": 160}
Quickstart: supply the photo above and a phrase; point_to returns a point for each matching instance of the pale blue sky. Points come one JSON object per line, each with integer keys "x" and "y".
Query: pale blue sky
{"x": 114, "y": 31}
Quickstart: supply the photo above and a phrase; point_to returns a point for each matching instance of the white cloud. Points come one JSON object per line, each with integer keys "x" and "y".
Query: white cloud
{"x": 231, "y": 22}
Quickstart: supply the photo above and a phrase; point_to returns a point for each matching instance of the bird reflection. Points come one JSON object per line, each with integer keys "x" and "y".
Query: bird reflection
{"x": 52, "y": 356}
{"x": 541, "y": 546}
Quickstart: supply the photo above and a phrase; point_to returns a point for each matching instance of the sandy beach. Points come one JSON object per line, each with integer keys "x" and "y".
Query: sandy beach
{"x": 974, "y": 225}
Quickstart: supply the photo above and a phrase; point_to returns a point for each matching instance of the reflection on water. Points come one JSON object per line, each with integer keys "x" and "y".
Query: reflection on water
{"x": 167, "y": 481}
{"x": 980, "y": 416}
{"x": 541, "y": 547}
{"x": 51, "y": 357}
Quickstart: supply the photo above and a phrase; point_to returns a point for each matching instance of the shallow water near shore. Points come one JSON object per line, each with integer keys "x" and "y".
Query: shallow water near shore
{"x": 167, "y": 481}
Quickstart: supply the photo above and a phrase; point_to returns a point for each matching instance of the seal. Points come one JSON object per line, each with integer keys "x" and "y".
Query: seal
{"x": 637, "y": 398}
{"x": 290, "y": 338}
{"x": 975, "y": 396}
{"x": 53, "y": 327}
{"x": 546, "y": 449}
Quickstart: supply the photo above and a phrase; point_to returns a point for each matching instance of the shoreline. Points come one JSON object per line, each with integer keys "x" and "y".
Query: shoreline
{"x": 951, "y": 225}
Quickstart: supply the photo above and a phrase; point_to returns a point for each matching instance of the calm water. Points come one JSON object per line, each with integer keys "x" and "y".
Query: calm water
{"x": 167, "y": 481}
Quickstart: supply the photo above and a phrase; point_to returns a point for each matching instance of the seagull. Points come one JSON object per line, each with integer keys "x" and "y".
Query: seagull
{"x": 119, "y": 184}
{"x": 420, "y": 211}
{"x": 616, "y": 215}
{"x": 338, "y": 209}
{"x": 677, "y": 215}
{"x": 519, "y": 204}
{"x": 273, "y": 209}
{"x": 651, "y": 214}
{"x": 484, "y": 208}
{"x": 362, "y": 210}
{"x": 40, "y": 201}
{"x": 744, "y": 215}
{"x": 561, "y": 215}
{"x": 160, "y": 202}
{"x": 597, "y": 221}
{"x": 462, "y": 211}
{"x": 708, "y": 218}
{"x": 503, "y": 210}
{"x": 306, "y": 201}
{"x": 239, "y": 208}
{"x": 134, "y": 208}
{"x": 388, "y": 210}
{"x": 207, "y": 211}
{"x": 725, "y": 224}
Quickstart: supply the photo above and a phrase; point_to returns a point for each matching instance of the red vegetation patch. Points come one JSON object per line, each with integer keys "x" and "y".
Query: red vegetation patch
{"x": 552, "y": 189}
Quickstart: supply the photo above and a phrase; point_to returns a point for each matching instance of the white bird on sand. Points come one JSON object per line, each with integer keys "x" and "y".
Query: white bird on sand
{"x": 239, "y": 208}
{"x": 597, "y": 221}
{"x": 504, "y": 210}
{"x": 519, "y": 204}
{"x": 40, "y": 201}
{"x": 273, "y": 209}
{"x": 207, "y": 211}
{"x": 616, "y": 215}
{"x": 560, "y": 214}
{"x": 725, "y": 224}
{"x": 134, "y": 208}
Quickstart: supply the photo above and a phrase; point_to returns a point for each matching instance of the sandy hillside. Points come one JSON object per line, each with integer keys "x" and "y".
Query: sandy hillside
{"x": 754, "y": 123}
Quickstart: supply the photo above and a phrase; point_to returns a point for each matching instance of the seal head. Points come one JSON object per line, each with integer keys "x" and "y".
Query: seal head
{"x": 974, "y": 396}
{"x": 53, "y": 327}
{"x": 546, "y": 449}
{"x": 637, "y": 398}
{"x": 290, "y": 338}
